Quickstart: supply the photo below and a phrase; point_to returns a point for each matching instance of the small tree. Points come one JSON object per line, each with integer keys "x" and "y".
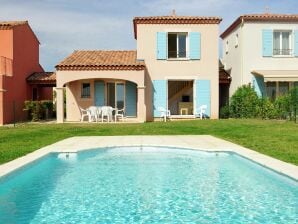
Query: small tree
{"x": 294, "y": 103}
{"x": 244, "y": 102}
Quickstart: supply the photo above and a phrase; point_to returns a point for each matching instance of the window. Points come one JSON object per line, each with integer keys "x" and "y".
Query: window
{"x": 275, "y": 89}
{"x": 283, "y": 88}
{"x": 227, "y": 47}
{"x": 271, "y": 90}
{"x": 177, "y": 45}
{"x": 236, "y": 40}
{"x": 85, "y": 93}
{"x": 116, "y": 94}
{"x": 282, "y": 43}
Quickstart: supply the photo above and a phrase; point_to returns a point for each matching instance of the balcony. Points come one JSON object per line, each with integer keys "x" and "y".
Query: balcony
{"x": 6, "y": 66}
{"x": 282, "y": 52}
{"x": 180, "y": 55}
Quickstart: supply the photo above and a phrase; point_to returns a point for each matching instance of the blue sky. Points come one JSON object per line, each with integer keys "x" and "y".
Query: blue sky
{"x": 65, "y": 25}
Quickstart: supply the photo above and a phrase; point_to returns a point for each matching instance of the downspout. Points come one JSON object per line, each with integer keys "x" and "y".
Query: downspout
{"x": 241, "y": 48}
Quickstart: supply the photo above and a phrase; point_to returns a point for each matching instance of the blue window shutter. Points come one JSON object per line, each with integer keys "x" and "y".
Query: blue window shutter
{"x": 296, "y": 43}
{"x": 99, "y": 92}
{"x": 159, "y": 96}
{"x": 161, "y": 48}
{"x": 267, "y": 39}
{"x": 195, "y": 45}
{"x": 203, "y": 95}
{"x": 258, "y": 85}
{"x": 131, "y": 99}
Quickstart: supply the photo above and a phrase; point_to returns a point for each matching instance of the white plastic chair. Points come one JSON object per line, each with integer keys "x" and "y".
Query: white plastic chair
{"x": 107, "y": 112}
{"x": 119, "y": 114}
{"x": 93, "y": 113}
{"x": 164, "y": 114}
{"x": 84, "y": 113}
{"x": 202, "y": 111}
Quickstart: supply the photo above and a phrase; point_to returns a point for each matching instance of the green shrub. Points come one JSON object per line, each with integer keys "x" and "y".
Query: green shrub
{"x": 282, "y": 106}
{"x": 39, "y": 109}
{"x": 266, "y": 109}
{"x": 244, "y": 102}
{"x": 224, "y": 112}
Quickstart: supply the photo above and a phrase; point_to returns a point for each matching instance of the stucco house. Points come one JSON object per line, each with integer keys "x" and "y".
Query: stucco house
{"x": 175, "y": 66}
{"x": 262, "y": 49}
{"x": 21, "y": 76}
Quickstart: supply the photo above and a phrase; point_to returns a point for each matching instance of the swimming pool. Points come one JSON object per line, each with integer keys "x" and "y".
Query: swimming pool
{"x": 147, "y": 185}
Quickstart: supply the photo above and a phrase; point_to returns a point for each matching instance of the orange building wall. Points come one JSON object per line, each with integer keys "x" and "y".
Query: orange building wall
{"x": 25, "y": 54}
{"x": 6, "y": 50}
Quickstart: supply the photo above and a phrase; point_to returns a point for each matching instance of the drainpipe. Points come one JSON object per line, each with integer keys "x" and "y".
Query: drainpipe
{"x": 241, "y": 49}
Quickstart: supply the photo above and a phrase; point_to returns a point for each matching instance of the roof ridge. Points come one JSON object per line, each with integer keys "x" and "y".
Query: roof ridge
{"x": 102, "y": 50}
{"x": 265, "y": 17}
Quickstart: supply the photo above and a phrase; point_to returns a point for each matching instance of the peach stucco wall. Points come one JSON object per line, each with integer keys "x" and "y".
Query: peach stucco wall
{"x": 72, "y": 81}
{"x": 21, "y": 45}
{"x": 205, "y": 68}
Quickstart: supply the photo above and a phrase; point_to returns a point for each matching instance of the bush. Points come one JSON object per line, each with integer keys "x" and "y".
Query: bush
{"x": 244, "y": 102}
{"x": 224, "y": 112}
{"x": 282, "y": 105}
{"x": 39, "y": 109}
{"x": 266, "y": 109}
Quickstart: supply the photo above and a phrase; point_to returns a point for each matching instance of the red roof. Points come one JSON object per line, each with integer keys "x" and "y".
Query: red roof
{"x": 42, "y": 78}
{"x": 173, "y": 19}
{"x": 266, "y": 17}
{"x": 6, "y": 25}
{"x": 101, "y": 60}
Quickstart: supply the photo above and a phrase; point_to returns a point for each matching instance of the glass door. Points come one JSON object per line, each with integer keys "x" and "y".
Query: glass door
{"x": 116, "y": 94}
{"x": 120, "y": 95}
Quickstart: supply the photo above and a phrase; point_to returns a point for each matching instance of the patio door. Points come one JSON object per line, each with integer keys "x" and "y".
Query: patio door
{"x": 116, "y": 94}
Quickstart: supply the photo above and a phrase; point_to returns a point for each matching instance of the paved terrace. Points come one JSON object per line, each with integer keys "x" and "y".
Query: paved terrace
{"x": 198, "y": 142}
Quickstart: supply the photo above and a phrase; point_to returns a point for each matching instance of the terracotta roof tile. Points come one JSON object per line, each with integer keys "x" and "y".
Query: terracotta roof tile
{"x": 266, "y": 17}
{"x": 224, "y": 76}
{"x": 10, "y": 24}
{"x": 173, "y": 19}
{"x": 42, "y": 77}
{"x": 101, "y": 60}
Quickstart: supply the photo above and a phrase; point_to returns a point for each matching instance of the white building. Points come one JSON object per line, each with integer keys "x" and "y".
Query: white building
{"x": 262, "y": 50}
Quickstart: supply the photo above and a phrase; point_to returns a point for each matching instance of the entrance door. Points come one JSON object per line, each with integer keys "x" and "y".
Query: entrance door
{"x": 116, "y": 94}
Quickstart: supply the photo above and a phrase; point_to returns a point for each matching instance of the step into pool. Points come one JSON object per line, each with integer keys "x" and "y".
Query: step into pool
{"x": 147, "y": 185}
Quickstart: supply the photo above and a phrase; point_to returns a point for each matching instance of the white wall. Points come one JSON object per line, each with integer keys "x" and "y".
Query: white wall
{"x": 248, "y": 55}
{"x": 252, "y": 57}
{"x": 232, "y": 60}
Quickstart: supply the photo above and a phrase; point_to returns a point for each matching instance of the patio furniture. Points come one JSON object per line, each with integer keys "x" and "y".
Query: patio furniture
{"x": 119, "y": 114}
{"x": 164, "y": 114}
{"x": 85, "y": 113}
{"x": 93, "y": 113}
{"x": 202, "y": 111}
{"x": 106, "y": 111}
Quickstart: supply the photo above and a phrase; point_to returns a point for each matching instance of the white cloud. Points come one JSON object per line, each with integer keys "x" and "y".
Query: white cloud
{"x": 65, "y": 25}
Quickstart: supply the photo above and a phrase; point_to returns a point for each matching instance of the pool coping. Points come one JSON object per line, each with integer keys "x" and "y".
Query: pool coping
{"x": 197, "y": 142}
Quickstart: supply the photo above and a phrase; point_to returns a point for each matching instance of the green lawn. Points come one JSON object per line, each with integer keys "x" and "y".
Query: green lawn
{"x": 278, "y": 139}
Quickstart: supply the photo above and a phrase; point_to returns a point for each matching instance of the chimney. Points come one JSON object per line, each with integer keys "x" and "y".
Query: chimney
{"x": 173, "y": 12}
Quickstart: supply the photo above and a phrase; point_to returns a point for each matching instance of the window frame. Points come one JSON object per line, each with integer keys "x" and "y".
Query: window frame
{"x": 177, "y": 46}
{"x": 236, "y": 40}
{"x": 82, "y": 92}
{"x": 227, "y": 47}
{"x": 291, "y": 52}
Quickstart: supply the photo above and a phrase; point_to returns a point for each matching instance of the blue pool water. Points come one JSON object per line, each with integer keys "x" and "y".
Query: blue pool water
{"x": 147, "y": 185}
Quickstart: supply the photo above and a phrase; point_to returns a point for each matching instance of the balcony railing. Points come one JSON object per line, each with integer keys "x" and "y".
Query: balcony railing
{"x": 283, "y": 52}
{"x": 5, "y": 66}
{"x": 177, "y": 54}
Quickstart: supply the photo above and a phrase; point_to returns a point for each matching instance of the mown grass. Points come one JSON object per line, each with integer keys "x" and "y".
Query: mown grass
{"x": 278, "y": 139}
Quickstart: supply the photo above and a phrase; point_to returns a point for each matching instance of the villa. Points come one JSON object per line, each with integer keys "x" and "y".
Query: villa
{"x": 262, "y": 49}
{"x": 21, "y": 76}
{"x": 175, "y": 67}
